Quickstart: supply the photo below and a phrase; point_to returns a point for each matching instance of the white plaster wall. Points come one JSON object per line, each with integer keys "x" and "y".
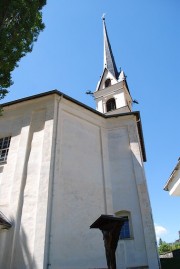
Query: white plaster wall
{"x": 125, "y": 196}
{"x": 23, "y": 196}
{"x": 79, "y": 196}
{"x": 66, "y": 167}
{"x": 99, "y": 105}
{"x": 91, "y": 155}
{"x": 145, "y": 207}
{"x": 120, "y": 100}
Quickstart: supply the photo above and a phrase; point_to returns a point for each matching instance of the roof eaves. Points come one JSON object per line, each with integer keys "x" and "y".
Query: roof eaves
{"x": 136, "y": 113}
{"x": 51, "y": 93}
{"x": 171, "y": 176}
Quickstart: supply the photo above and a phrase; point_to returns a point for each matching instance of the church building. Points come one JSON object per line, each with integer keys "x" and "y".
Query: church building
{"x": 63, "y": 165}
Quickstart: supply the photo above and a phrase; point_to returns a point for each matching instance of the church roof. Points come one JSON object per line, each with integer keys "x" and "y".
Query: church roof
{"x": 135, "y": 113}
{"x": 109, "y": 61}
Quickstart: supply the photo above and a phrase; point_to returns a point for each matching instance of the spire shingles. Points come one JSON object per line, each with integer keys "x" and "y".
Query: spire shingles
{"x": 109, "y": 61}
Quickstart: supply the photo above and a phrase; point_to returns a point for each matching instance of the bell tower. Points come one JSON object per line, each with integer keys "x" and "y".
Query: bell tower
{"x": 112, "y": 94}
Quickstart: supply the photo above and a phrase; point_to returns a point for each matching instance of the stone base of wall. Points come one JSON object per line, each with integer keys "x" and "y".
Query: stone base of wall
{"x": 136, "y": 267}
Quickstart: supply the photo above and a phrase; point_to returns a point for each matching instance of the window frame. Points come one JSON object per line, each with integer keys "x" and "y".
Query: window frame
{"x": 127, "y": 214}
{"x": 125, "y": 230}
{"x": 4, "y": 148}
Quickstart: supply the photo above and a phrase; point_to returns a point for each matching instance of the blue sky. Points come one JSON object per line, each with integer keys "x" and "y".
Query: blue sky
{"x": 145, "y": 38}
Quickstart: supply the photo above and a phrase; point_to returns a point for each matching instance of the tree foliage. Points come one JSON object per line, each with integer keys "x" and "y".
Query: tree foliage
{"x": 165, "y": 247}
{"x": 20, "y": 25}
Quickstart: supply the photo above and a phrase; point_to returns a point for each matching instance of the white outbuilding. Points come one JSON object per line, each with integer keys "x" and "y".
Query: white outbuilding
{"x": 173, "y": 182}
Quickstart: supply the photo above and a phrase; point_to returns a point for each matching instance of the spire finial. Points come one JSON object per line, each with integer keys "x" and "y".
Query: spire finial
{"x": 103, "y": 16}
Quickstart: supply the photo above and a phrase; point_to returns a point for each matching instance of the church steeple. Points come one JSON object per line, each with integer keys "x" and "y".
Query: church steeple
{"x": 109, "y": 61}
{"x": 112, "y": 94}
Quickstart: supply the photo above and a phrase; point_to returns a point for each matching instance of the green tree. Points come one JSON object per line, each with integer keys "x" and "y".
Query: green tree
{"x": 176, "y": 246}
{"x": 164, "y": 247}
{"x": 20, "y": 25}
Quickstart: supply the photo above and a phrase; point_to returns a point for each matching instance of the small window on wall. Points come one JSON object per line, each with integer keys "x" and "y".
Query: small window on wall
{"x": 4, "y": 148}
{"x": 126, "y": 230}
{"x": 110, "y": 105}
{"x": 107, "y": 83}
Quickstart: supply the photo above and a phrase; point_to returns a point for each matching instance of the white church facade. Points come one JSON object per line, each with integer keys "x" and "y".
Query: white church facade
{"x": 62, "y": 165}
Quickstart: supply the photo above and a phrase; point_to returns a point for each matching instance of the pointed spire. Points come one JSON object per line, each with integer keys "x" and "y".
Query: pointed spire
{"x": 109, "y": 61}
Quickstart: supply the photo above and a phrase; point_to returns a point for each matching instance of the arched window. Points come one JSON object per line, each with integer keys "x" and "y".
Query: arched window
{"x": 126, "y": 230}
{"x": 110, "y": 104}
{"x": 107, "y": 83}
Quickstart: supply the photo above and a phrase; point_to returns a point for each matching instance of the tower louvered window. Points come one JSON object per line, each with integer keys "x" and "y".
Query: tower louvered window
{"x": 107, "y": 83}
{"x": 110, "y": 105}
